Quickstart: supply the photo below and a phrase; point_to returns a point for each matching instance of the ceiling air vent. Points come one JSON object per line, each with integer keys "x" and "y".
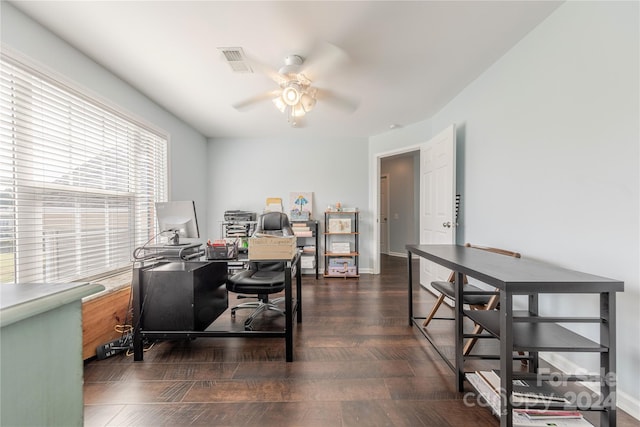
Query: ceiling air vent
{"x": 236, "y": 59}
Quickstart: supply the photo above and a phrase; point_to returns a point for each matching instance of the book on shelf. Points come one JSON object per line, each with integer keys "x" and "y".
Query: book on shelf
{"x": 309, "y": 249}
{"x": 490, "y": 395}
{"x": 545, "y": 414}
{"x": 525, "y": 391}
{"x": 485, "y": 384}
{"x": 521, "y": 418}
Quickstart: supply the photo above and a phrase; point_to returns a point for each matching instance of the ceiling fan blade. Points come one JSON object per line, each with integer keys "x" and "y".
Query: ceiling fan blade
{"x": 336, "y": 100}
{"x": 250, "y": 102}
{"x": 323, "y": 59}
{"x": 261, "y": 67}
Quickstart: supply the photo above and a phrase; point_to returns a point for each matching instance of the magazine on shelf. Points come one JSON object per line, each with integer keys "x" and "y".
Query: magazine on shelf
{"x": 491, "y": 395}
{"x": 525, "y": 391}
{"x": 544, "y": 414}
{"x": 486, "y": 391}
{"x": 521, "y": 420}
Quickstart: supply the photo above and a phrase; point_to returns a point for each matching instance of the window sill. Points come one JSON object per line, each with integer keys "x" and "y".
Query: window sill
{"x": 111, "y": 284}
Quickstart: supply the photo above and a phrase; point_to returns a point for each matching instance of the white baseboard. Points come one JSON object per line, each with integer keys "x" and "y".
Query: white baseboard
{"x": 360, "y": 271}
{"x": 624, "y": 401}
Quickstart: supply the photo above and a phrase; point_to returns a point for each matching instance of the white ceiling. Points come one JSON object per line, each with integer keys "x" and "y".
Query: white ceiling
{"x": 406, "y": 59}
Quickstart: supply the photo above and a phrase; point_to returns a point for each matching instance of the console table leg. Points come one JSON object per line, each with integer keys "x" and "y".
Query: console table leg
{"x": 534, "y": 361}
{"x": 138, "y": 351}
{"x": 459, "y": 318}
{"x": 410, "y": 274}
{"x": 506, "y": 358}
{"x": 608, "y": 359}
{"x": 288, "y": 311}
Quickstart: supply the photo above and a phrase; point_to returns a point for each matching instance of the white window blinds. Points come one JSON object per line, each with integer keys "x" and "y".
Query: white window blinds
{"x": 78, "y": 181}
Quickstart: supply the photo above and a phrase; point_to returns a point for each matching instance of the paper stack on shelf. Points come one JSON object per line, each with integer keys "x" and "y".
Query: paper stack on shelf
{"x": 487, "y": 384}
{"x": 237, "y": 230}
{"x": 307, "y": 262}
{"x": 301, "y": 230}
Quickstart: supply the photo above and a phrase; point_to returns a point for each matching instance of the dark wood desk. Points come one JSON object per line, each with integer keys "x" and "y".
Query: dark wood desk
{"x": 526, "y": 330}
{"x": 193, "y": 327}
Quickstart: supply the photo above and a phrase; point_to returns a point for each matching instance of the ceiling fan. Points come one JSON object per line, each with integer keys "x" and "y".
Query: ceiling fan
{"x": 296, "y": 95}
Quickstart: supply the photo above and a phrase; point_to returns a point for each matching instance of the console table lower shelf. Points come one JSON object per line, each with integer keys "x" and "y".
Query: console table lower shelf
{"x": 565, "y": 417}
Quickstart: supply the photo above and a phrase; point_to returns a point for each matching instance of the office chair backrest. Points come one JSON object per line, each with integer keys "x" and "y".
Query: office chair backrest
{"x": 276, "y": 223}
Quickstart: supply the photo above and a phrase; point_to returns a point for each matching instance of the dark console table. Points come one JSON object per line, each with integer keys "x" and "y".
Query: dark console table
{"x": 526, "y": 330}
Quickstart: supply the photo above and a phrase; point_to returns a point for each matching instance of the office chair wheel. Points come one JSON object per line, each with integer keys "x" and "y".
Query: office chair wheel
{"x": 233, "y": 313}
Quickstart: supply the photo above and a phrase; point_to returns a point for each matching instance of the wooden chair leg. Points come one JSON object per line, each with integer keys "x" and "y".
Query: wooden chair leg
{"x": 433, "y": 311}
{"x": 477, "y": 329}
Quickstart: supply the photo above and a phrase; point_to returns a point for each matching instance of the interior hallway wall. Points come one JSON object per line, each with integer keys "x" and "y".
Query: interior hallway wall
{"x": 548, "y": 161}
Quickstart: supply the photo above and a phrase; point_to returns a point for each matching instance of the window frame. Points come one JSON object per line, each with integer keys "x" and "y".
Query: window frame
{"x": 34, "y": 257}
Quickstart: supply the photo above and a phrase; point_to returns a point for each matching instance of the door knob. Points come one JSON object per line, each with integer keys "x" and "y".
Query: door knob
{"x": 446, "y": 224}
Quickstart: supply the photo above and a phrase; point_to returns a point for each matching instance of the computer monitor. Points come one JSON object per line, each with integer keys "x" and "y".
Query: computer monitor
{"x": 179, "y": 218}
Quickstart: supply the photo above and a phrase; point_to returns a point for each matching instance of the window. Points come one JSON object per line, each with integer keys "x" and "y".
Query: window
{"x": 78, "y": 180}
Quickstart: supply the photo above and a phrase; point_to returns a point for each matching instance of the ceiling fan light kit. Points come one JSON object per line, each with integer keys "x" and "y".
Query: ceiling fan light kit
{"x": 295, "y": 97}
{"x": 307, "y": 101}
{"x": 291, "y": 94}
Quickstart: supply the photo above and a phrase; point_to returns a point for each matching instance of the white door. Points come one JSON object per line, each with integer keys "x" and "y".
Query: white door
{"x": 437, "y": 199}
{"x": 383, "y": 214}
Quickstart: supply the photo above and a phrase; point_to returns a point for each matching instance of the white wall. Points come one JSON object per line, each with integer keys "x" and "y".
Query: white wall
{"x": 187, "y": 151}
{"x": 549, "y": 138}
{"x": 244, "y": 172}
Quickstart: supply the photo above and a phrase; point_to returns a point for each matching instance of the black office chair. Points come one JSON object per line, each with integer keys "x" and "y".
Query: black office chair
{"x": 262, "y": 278}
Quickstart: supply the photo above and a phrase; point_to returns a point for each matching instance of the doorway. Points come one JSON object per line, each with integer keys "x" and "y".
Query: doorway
{"x": 383, "y": 214}
{"x": 433, "y": 200}
{"x": 399, "y": 195}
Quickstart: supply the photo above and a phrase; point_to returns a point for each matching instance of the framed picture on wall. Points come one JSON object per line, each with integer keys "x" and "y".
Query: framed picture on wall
{"x": 301, "y": 204}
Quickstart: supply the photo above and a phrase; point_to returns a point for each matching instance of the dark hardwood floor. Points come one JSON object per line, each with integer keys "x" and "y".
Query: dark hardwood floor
{"x": 357, "y": 363}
